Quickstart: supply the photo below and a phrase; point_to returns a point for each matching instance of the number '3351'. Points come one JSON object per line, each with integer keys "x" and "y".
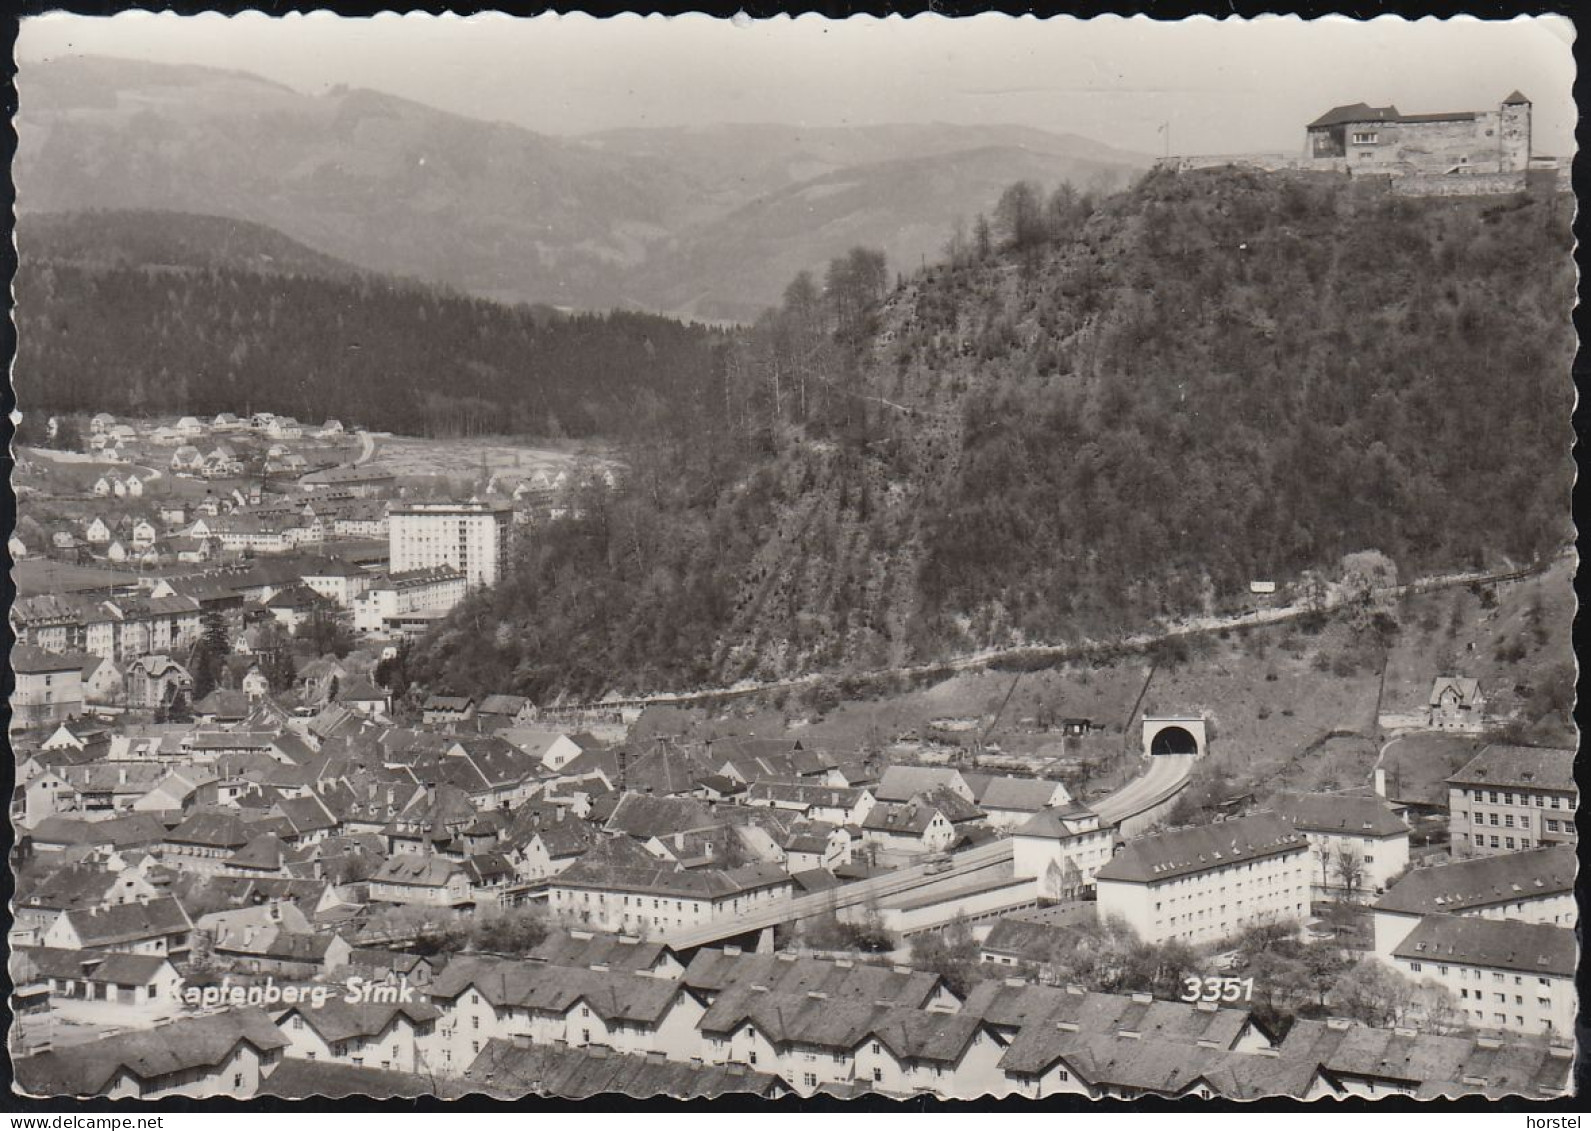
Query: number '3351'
{"x": 1217, "y": 989}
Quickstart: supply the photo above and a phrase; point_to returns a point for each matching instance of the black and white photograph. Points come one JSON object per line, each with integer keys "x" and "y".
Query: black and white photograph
{"x": 795, "y": 559}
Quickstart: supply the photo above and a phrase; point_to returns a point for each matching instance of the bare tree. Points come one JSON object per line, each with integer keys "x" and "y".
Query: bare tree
{"x": 1348, "y": 865}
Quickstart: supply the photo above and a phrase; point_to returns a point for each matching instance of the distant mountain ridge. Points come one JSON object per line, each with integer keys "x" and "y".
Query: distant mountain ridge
{"x": 709, "y": 221}
{"x": 136, "y": 238}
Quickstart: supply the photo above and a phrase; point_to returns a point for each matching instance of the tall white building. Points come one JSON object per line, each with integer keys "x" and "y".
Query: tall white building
{"x": 470, "y": 537}
{"x": 1201, "y": 885}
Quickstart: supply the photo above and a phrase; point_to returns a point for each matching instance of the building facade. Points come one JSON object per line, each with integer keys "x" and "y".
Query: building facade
{"x": 469, "y": 537}
{"x": 1201, "y": 885}
{"x": 1511, "y": 799}
{"x": 1378, "y": 139}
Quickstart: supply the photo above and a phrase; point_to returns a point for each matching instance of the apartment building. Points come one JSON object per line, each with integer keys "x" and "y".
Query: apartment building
{"x": 1527, "y": 887}
{"x": 482, "y": 997}
{"x": 1064, "y": 849}
{"x": 1357, "y": 842}
{"x": 470, "y": 537}
{"x": 1202, "y": 884}
{"x": 1513, "y": 798}
{"x": 1517, "y": 977}
{"x": 216, "y": 1054}
{"x": 395, "y": 1036}
{"x": 659, "y": 899}
{"x": 49, "y": 687}
{"x": 407, "y": 596}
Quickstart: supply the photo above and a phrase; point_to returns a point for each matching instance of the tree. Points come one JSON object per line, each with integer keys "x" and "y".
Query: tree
{"x": 952, "y": 953}
{"x": 1019, "y": 216}
{"x": 208, "y": 660}
{"x": 1348, "y": 865}
{"x": 1376, "y": 994}
{"x": 326, "y": 630}
{"x": 982, "y": 238}
{"x": 391, "y": 672}
{"x": 509, "y": 931}
{"x": 274, "y": 654}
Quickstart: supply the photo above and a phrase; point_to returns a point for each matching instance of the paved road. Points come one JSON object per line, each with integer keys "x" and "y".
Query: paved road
{"x": 1165, "y": 775}
{"x": 367, "y": 448}
{"x": 1060, "y": 652}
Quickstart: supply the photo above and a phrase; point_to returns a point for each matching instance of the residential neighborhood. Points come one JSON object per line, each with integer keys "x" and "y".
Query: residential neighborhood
{"x": 919, "y": 563}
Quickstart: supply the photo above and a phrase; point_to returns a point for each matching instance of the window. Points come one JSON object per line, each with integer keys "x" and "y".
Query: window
{"x": 237, "y": 1079}
{"x": 1442, "y": 970}
{"x": 1364, "y": 137}
{"x": 751, "y": 1058}
{"x": 1524, "y": 820}
{"x": 878, "y": 1075}
{"x": 810, "y": 1079}
{"x": 1415, "y": 966}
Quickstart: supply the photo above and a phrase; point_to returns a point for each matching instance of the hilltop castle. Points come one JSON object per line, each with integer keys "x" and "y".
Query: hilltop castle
{"x": 1378, "y": 139}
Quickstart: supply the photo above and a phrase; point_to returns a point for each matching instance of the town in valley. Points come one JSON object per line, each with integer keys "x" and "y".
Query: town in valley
{"x": 339, "y": 771}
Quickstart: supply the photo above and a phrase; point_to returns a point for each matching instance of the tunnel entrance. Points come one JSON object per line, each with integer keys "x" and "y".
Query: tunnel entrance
{"x": 1183, "y": 735}
{"x": 1173, "y": 740}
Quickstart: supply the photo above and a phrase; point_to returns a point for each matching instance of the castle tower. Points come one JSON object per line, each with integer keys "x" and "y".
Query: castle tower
{"x": 1514, "y": 126}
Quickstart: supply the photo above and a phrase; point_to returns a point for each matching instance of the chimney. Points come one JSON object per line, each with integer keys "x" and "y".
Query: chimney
{"x": 1271, "y": 1052}
{"x": 1337, "y": 1023}
{"x": 1143, "y": 998}
{"x": 522, "y": 1041}
{"x": 816, "y": 995}
{"x": 1206, "y": 1006}
{"x": 1016, "y": 982}
{"x": 732, "y": 952}
{"x": 1381, "y": 781}
{"x": 1066, "y": 1026}
{"x": 655, "y": 1056}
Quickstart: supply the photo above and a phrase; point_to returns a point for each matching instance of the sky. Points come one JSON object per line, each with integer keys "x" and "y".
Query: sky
{"x": 1190, "y": 87}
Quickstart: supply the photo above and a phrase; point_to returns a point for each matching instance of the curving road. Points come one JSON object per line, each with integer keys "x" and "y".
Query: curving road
{"x": 1167, "y": 773}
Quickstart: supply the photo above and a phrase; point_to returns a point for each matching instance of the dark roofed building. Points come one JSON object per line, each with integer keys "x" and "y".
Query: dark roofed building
{"x": 508, "y": 1069}
{"x": 1169, "y": 885}
{"x": 1511, "y": 798}
{"x": 226, "y": 1053}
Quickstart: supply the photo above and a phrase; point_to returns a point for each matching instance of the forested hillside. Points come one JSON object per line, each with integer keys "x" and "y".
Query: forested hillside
{"x": 137, "y": 238}
{"x": 164, "y": 313}
{"x": 1095, "y": 414}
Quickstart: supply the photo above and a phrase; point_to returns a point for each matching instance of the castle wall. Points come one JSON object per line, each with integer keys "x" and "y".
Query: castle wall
{"x": 1474, "y": 184}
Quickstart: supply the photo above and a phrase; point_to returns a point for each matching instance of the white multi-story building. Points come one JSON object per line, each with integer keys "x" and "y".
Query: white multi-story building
{"x": 1527, "y": 887}
{"x": 1357, "y": 841}
{"x": 1513, "y": 798}
{"x": 1063, "y": 849}
{"x": 1201, "y": 885}
{"x": 403, "y": 596}
{"x": 470, "y": 537}
{"x": 1518, "y": 977}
